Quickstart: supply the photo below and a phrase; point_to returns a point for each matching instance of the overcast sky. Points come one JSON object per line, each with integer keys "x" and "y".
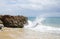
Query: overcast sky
{"x": 30, "y": 7}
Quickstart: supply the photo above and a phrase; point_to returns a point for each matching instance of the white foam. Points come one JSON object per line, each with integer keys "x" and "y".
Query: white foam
{"x": 38, "y": 26}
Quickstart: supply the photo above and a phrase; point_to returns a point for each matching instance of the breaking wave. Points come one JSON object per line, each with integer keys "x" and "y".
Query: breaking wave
{"x": 38, "y": 26}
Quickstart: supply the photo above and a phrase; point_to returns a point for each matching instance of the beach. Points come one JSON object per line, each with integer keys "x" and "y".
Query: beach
{"x": 29, "y": 19}
{"x": 22, "y": 33}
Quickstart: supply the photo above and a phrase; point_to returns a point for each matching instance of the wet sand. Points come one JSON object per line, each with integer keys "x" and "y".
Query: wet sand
{"x": 18, "y": 33}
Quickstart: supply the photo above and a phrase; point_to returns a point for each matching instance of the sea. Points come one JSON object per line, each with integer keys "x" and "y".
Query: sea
{"x": 44, "y": 24}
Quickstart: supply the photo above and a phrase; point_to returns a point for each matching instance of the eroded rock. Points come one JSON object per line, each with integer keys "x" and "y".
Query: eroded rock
{"x": 13, "y": 21}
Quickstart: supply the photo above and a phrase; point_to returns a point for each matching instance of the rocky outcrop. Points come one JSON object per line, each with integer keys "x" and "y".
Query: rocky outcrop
{"x": 13, "y": 21}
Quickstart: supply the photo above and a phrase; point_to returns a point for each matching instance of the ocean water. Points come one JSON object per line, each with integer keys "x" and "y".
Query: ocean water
{"x": 44, "y": 24}
{"x": 52, "y": 21}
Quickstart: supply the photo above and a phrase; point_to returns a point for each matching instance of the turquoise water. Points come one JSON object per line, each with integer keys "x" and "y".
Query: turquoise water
{"x": 49, "y": 21}
{"x": 31, "y": 18}
{"x": 52, "y": 21}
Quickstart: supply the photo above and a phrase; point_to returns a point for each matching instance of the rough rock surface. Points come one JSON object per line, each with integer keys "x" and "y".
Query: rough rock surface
{"x": 13, "y": 21}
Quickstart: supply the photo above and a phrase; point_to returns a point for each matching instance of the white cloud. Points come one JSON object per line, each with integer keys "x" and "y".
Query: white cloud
{"x": 40, "y": 4}
{"x": 31, "y": 4}
{"x": 14, "y": 6}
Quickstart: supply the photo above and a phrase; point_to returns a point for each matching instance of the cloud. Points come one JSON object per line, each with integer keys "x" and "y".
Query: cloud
{"x": 34, "y": 6}
{"x": 31, "y": 4}
{"x": 40, "y": 4}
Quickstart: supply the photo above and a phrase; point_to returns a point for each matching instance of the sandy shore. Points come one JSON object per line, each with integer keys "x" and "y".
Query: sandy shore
{"x": 18, "y": 33}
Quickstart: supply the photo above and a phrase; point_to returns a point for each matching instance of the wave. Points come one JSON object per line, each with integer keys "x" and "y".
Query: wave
{"x": 38, "y": 26}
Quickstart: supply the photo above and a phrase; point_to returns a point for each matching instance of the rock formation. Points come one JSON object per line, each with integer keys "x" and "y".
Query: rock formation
{"x": 13, "y": 21}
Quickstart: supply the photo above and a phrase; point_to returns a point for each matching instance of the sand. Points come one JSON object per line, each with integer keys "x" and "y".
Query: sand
{"x": 21, "y": 33}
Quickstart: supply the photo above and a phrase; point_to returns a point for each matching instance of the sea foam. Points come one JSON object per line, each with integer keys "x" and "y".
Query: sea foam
{"x": 38, "y": 26}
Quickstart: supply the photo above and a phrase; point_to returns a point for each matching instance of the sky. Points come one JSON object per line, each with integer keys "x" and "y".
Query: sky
{"x": 30, "y": 7}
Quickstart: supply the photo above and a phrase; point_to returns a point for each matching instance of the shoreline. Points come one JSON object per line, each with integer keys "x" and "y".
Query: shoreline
{"x": 22, "y": 33}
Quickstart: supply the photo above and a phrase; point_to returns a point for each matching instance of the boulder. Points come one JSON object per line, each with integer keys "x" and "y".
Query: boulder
{"x": 13, "y": 21}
